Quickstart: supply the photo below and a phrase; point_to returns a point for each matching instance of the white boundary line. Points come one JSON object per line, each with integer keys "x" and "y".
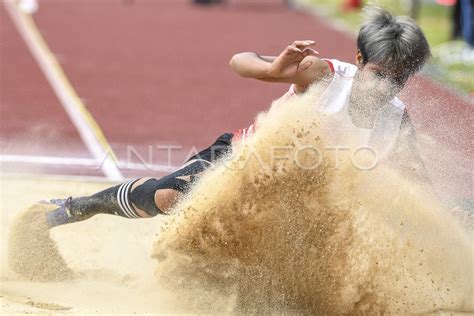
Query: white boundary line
{"x": 56, "y": 177}
{"x": 81, "y": 118}
{"x": 81, "y": 162}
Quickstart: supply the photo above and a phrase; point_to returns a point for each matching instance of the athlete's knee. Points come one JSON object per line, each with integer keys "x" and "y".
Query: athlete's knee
{"x": 142, "y": 196}
{"x": 165, "y": 199}
{"x": 156, "y": 196}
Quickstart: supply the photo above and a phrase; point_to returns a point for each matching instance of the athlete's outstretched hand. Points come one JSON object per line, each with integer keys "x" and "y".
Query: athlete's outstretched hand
{"x": 289, "y": 62}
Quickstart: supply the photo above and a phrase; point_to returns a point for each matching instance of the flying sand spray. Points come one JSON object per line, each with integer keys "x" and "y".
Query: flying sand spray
{"x": 313, "y": 233}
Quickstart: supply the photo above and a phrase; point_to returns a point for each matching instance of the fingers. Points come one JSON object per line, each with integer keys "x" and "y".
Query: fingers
{"x": 292, "y": 49}
{"x": 303, "y": 44}
{"x": 305, "y": 52}
{"x": 292, "y": 54}
{"x": 309, "y": 52}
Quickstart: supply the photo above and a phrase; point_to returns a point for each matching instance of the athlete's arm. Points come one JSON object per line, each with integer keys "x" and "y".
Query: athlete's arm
{"x": 252, "y": 65}
{"x": 297, "y": 64}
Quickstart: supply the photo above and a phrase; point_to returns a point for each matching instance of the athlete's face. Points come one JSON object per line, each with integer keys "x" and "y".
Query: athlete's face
{"x": 377, "y": 83}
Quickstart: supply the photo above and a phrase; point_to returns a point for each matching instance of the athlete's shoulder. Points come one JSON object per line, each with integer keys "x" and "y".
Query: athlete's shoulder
{"x": 341, "y": 68}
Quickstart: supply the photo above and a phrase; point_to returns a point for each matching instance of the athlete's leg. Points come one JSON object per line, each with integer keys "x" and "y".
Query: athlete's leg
{"x": 139, "y": 198}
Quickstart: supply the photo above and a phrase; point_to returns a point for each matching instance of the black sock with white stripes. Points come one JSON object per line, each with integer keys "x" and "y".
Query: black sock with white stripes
{"x": 122, "y": 201}
{"x": 115, "y": 201}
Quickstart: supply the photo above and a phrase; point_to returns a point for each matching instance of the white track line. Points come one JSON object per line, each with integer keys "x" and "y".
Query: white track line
{"x": 81, "y": 118}
{"x": 81, "y": 162}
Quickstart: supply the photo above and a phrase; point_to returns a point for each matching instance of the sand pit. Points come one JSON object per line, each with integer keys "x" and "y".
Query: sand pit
{"x": 113, "y": 270}
{"x": 109, "y": 256}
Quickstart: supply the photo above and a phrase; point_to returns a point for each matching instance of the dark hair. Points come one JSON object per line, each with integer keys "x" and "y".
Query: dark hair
{"x": 393, "y": 41}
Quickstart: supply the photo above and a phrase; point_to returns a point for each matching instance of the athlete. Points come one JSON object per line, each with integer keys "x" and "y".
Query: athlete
{"x": 389, "y": 48}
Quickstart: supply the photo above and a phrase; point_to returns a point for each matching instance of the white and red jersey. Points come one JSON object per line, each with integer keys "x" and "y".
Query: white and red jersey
{"x": 335, "y": 100}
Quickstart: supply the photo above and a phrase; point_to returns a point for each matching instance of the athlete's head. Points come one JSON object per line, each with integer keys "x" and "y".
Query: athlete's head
{"x": 391, "y": 47}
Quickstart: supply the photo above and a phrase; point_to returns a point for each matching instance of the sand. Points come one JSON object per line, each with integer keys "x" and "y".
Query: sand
{"x": 110, "y": 257}
{"x": 264, "y": 235}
